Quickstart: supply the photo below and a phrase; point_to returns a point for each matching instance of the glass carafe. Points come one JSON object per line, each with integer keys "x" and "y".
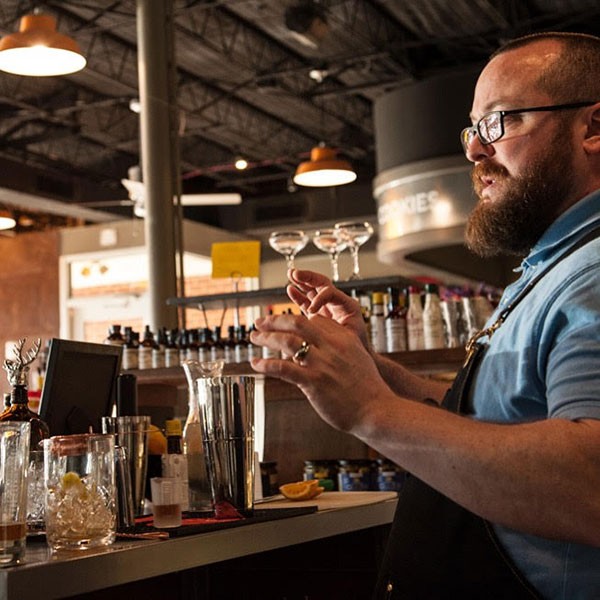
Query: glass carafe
{"x": 200, "y": 497}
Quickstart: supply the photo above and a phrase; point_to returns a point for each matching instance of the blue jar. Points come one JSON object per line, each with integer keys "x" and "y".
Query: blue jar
{"x": 355, "y": 475}
{"x": 390, "y": 476}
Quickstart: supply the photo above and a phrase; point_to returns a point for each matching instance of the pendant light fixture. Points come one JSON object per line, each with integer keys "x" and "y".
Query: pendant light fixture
{"x": 324, "y": 169}
{"x": 38, "y": 50}
{"x": 7, "y": 221}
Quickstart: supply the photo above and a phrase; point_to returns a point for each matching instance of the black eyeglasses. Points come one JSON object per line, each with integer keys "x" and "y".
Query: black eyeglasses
{"x": 490, "y": 128}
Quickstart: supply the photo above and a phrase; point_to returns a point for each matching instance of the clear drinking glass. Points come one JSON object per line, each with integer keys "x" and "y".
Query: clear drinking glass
{"x": 14, "y": 452}
{"x": 36, "y": 493}
{"x": 331, "y": 242}
{"x": 79, "y": 472}
{"x": 288, "y": 243}
{"x": 355, "y": 234}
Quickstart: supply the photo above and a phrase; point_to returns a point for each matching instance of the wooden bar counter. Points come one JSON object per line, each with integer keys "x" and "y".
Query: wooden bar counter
{"x": 286, "y": 552}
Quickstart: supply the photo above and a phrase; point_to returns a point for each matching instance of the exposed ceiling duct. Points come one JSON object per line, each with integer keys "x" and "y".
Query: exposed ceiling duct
{"x": 244, "y": 87}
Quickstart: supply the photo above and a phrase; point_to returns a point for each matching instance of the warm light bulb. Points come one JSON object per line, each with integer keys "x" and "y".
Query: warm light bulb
{"x": 7, "y": 222}
{"x": 241, "y": 164}
{"x": 38, "y": 50}
{"x": 324, "y": 169}
{"x": 325, "y": 177}
{"x": 40, "y": 61}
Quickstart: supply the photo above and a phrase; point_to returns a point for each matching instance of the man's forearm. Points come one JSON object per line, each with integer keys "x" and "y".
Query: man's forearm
{"x": 406, "y": 384}
{"x": 541, "y": 478}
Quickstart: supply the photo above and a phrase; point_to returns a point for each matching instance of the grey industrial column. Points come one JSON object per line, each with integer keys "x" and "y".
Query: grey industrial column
{"x": 155, "y": 58}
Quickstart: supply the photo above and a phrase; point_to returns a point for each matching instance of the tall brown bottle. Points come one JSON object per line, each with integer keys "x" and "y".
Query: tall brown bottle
{"x": 19, "y": 411}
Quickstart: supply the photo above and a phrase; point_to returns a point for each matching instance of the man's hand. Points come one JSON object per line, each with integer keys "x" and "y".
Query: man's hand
{"x": 315, "y": 294}
{"x": 336, "y": 373}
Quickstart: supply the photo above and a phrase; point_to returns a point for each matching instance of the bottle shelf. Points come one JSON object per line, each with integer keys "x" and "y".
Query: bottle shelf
{"x": 268, "y": 296}
{"x": 426, "y": 362}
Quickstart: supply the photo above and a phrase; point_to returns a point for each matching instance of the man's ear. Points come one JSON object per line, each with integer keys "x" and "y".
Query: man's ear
{"x": 591, "y": 143}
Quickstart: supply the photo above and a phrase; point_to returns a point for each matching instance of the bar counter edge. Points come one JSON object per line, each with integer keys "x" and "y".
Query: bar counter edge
{"x": 63, "y": 575}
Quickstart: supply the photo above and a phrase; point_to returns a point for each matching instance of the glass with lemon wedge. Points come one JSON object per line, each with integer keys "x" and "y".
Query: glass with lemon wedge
{"x": 80, "y": 491}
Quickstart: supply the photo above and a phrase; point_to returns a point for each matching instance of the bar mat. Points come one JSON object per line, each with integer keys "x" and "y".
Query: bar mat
{"x": 194, "y": 523}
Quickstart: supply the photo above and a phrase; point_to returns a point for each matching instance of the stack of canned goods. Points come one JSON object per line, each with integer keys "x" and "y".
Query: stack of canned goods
{"x": 358, "y": 475}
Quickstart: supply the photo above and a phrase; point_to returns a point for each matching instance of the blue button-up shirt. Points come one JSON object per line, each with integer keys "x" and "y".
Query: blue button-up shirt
{"x": 544, "y": 362}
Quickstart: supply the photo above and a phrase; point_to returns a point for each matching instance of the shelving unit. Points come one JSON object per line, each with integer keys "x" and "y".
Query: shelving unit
{"x": 277, "y": 295}
{"x": 428, "y": 362}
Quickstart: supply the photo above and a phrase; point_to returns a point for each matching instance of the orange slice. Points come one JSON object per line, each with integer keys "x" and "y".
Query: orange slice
{"x": 301, "y": 490}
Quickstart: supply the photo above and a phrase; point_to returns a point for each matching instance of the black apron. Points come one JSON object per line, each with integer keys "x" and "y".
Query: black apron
{"x": 439, "y": 550}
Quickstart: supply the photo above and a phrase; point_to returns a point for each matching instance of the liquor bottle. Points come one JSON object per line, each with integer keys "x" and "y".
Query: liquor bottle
{"x": 241, "y": 345}
{"x": 193, "y": 344}
{"x": 182, "y": 344}
{"x": 395, "y": 322}
{"x": 229, "y": 345}
{"x": 433, "y": 322}
{"x": 130, "y": 350}
{"x": 114, "y": 337}
{"x": 414, "y": 320}
{"x": 171, "y": 349}
{"x": 174, "y": 462}
{"x": 158, "y": 351}
{"x": 145, "y": 349}
{"x": 18, "y": 375}
{"x": 205, "y": 346}
{"x": 217, "y": 351}
{"x": 377, "y": 323}
{"x": 19, "y": 411}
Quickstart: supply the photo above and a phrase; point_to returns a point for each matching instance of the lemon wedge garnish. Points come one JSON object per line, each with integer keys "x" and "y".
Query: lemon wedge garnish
{"x": 70, "y": 479}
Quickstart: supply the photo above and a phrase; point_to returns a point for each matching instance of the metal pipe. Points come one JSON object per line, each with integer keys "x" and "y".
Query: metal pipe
{"x": 155, "y": 59}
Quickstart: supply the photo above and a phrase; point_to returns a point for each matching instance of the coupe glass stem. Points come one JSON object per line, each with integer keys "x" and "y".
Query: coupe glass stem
{"x": 289, "y": 259}
{"x": 334, "y": 256}
{"x": 355, "y": 265}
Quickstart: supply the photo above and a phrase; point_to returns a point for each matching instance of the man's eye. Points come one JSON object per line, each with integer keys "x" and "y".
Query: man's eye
{"x": 512, "y": 119}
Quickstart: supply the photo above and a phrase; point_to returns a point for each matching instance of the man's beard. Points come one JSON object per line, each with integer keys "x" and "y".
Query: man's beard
{"x": 513, "y": 223}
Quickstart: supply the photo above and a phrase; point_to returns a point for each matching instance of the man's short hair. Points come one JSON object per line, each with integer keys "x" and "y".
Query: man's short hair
{"x": 575, "y": 75}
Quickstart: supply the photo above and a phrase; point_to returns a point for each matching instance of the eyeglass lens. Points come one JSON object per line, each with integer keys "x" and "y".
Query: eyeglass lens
{"x": 490, "y": 127}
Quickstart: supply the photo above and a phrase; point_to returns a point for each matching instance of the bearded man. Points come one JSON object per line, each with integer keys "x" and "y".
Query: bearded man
{"x": 504, "y": 495}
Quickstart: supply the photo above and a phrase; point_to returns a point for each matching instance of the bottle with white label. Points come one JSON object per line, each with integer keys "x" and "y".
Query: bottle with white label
{"x": 433, "y": 322}
{"x": 145, "y": 349}
{"x": 241, "y": 345}
{"x": 414, "y": 320}
{"x": 395, "y": 322}
{"x": 377, "y": 323}
{"x": 158, "y": 351}
{"x": 229, "y": 345}
{"x": 171, "y": 349}
{"x": 174, "y": 462}
{"x": 217, "y": 350}
{"x": 130, "y": 350}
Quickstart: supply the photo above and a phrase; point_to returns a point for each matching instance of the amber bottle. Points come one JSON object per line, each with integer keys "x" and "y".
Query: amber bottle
{"x": 19, "y": 411}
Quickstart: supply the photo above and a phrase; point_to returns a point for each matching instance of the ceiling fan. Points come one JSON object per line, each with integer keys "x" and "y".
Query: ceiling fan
{"x": 136, "y": 191}
{"x": 137, "y": 197}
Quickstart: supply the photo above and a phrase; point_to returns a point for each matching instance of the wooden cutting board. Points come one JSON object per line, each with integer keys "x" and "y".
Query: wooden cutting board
{"x": 332, "y": 500}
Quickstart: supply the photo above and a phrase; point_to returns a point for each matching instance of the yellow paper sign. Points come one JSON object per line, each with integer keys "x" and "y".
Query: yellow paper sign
{"x": 235, "y": 259}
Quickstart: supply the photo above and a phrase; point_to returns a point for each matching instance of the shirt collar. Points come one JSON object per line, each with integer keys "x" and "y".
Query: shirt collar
{"x": 568, "y": 228}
